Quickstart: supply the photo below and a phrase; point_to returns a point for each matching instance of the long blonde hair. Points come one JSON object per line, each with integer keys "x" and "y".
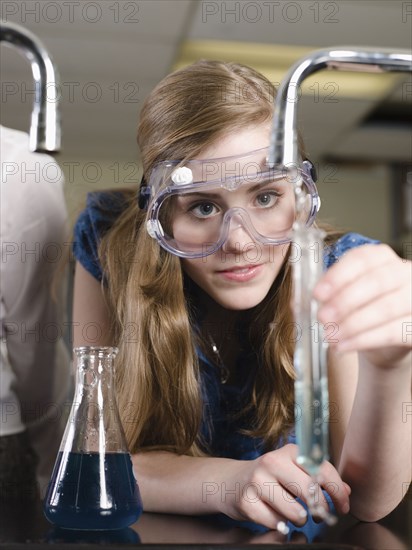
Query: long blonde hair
{"x": 158, "y": 370}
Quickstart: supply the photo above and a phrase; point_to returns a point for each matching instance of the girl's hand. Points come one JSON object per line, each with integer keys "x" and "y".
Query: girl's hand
{"x": 264, "y": 490}
{"x": 367, "y": 296}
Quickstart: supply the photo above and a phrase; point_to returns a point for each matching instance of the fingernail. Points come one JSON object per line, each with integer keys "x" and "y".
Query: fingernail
{"x": 303, "y": 513}
{"x": 282, "y": 527}
{"x": 346, "y": 508}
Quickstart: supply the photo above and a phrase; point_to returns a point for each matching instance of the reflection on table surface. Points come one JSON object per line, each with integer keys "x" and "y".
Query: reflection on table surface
{"x": 22, "y": 521}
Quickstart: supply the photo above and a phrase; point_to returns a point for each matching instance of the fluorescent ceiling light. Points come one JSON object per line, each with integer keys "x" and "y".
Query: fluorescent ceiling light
{"x": 274, "y": 60}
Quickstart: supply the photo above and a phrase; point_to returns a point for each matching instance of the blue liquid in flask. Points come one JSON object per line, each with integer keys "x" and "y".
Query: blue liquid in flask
{"x": 93, "y": 491}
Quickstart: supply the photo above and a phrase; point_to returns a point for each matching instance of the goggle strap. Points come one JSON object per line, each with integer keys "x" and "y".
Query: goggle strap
{"x": 143, "y": 195}
{"x": 310, "y": 169}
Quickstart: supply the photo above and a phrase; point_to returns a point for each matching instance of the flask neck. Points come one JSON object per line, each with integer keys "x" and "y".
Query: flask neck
{"x": 95, "y": 370}
{"x": 94, "y": 424}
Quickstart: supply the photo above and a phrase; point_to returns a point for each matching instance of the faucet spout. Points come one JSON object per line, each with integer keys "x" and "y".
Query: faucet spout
{"x": 45, "y": 118}
{"x": 284, "y": 139}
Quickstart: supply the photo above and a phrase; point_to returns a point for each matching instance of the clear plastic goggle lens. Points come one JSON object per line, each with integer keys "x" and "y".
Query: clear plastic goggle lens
{"x": 192, "y": 218}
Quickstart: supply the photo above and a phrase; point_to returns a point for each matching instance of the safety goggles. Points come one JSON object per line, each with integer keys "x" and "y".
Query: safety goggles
{"x": 194, "y": 206}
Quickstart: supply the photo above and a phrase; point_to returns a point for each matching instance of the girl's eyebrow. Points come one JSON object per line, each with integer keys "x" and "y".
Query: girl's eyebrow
{"x": 263, "y": 184}
{"x": 199, "y": 195}
{"x": 207, "y": 195}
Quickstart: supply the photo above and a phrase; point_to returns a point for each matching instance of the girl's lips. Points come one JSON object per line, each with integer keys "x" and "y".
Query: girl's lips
{"x": 241, "y": 273}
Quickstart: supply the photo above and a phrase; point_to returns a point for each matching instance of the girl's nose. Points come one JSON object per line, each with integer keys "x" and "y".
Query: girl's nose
{"x": 238, "y": 238}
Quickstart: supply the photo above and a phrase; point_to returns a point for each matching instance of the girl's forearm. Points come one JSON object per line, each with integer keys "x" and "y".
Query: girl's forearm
{"x": 180, "y": 484}
{"x": 376, "y": 454}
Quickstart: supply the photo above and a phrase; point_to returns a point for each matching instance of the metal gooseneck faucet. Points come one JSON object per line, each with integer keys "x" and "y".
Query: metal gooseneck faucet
{"x": 45, "y": 118}
{"x": 310, "y": 354}
{"x": 284, "y": 140}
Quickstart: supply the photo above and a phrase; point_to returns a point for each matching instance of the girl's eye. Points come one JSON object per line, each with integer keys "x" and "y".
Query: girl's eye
{"x": 267, "y": 199}
{"x": 204, "y": 209}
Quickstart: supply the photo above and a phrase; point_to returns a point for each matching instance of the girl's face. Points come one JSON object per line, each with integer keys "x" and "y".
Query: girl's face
{"x": 240, "y": 274}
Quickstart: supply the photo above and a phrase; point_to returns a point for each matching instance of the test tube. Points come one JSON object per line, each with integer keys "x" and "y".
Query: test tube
{"x": 311, "y": 384}
{"x": 310, "y": 362}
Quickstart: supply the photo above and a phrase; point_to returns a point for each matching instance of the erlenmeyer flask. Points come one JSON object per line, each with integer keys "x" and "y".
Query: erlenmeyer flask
{"x": 92, "y": 485}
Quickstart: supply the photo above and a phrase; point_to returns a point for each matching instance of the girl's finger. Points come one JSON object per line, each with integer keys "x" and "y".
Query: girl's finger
{"x": 332, "y": 483}
{"x": 259, "y": 511}
{"x": 392, "y": 334}
{"x": 283, "y": 501}
{"x": 366, "y": 290}
{"x": 285, "y": 481}
{"x": 352, "y": 266}
{"x": 388, "y": 310}
{"x": 301, "y": 487}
